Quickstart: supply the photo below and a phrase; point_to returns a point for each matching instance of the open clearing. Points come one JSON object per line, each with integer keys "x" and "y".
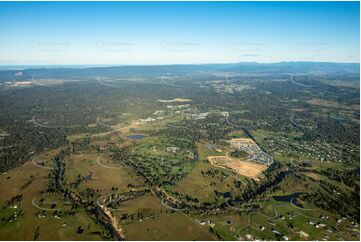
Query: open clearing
{"x": 29, "y": 181}
{"x": 159, "y": 223}
{"x": 202, "y": 186}
{"x": 243, "y": 168}
{"x": 330, "y": 103}
{"x": 102, "y": 178}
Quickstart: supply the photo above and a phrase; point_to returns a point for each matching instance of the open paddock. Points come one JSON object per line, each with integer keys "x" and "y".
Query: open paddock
{"x": 104, "y": 175}
{"x": 202, "y": 186}
{"x": 49, "y": 227}
{"x": 158, "y": 222}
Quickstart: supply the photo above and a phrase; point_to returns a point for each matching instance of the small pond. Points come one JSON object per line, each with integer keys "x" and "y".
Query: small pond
{"x": 357, "y": 171}
{"x": 136, "y": 136}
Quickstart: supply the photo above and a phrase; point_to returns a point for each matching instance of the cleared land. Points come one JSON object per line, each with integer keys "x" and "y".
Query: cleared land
{"x": 244, "y": 168}
{"x": 200, "y": 184}
{"x": 29, "y": 181}
{"x": 103, "y": 177}
{"x": 330, "y": 103}
{"x": 159, "y": 223}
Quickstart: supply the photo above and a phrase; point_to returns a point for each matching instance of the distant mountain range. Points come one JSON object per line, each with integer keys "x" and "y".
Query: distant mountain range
{"x": 9, "y": 72}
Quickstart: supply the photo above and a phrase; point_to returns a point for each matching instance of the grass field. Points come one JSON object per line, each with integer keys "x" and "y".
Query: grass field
{"x": 50, "y": 228}
{"x": 227, "y": 225}
{"x": 204, "y": 151}
{"x": 46, "y": 158}
{"x": 203, "y": 187}
{"x": 103, "y": 177}
{"x": 159, "y": 223}
{"x": 331, "y": 103}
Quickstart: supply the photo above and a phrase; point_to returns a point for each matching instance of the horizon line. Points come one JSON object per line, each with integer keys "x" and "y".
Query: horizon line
{"x": 164, "y": 64}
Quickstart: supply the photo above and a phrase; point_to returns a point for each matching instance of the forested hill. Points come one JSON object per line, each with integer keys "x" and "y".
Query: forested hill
{"x": 351, "y": 69}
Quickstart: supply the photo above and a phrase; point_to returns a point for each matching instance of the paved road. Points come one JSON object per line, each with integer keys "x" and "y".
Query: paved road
{"x": 53, "y": 126}
{"x": 44, "y": 167}
{"x": 299, "y": 84}
{"x": 43, "y": 208}
{"x": 299, "y": 125}
{"x": 105, "y": 166}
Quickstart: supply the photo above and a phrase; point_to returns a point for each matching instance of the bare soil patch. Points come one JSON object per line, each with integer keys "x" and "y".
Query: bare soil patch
{"x": 244, "y": 168}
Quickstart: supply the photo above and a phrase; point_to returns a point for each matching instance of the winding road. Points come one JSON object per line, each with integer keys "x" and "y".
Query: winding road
{"x": 299, "y": 84}
{"x": 53, "y": 126}
{"x": 44, "y": 167}
{"x": 105, "y": 166}
{"x": 43, "y": 208}
{"x": 299, "y": 125}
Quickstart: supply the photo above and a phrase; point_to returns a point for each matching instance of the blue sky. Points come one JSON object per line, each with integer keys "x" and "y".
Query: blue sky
{"x": 177, "y": 32}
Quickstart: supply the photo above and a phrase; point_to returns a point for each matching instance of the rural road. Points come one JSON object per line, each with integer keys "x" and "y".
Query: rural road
{"x": 44, "y": 167}
{"x": 298, "y": 84}
{"x": 105, "y": 166}
{"x": 42, "y": 208}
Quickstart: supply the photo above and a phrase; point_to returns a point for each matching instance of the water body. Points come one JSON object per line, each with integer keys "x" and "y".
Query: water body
{"x": 210, "y": 146}
{"x": 136, "y": 136}
{"x": 357, "y": 171}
